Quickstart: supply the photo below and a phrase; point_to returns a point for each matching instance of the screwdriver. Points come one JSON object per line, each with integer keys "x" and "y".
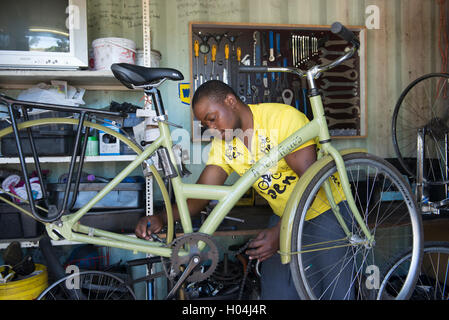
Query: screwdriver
{"x": 239, "y": 54}
{"x": 226, "y": 70}
{"x": 213, "y": 56}
{"x": 205, "y": 63}
{"x": 197, "y": 53}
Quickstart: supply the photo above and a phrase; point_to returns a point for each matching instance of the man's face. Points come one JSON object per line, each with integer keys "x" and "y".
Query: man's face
{"x": 219, "y": 116}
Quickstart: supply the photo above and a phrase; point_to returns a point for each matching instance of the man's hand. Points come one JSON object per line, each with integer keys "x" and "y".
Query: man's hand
{"x": 143, "y": 231}
{"x": 265, "y": 244}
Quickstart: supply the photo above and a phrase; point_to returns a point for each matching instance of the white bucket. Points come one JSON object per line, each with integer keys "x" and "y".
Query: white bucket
{"x": 155, "y": 58}
{"x": 113, "y": 50}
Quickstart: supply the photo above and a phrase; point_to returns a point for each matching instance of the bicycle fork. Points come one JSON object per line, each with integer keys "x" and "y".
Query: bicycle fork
{"x": 341, "y": 169}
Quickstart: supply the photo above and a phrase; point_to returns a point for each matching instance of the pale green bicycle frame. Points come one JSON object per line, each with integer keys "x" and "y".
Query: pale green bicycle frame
{"x": 68, "y": 227}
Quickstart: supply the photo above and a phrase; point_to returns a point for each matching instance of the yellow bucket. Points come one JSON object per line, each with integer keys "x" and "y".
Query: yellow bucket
{"x": 25, "y": 289}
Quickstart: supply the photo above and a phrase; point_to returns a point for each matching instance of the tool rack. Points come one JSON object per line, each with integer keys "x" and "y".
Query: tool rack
{"x": 217, "y": 50}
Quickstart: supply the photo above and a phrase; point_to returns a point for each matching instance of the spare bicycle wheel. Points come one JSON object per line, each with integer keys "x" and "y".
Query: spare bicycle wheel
{"x": 423, "y": 105}
{"x": 88, "y": 285}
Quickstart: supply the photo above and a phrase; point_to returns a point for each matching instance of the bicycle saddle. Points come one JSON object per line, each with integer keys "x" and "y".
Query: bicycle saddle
{"x": 133, "y": 75}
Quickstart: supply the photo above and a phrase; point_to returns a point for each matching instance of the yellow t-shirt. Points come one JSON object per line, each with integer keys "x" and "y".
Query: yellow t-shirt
{"x": 272, "y": 123}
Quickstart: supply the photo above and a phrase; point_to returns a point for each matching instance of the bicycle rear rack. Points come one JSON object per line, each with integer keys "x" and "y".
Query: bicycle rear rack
{"x": 13, "y": 106}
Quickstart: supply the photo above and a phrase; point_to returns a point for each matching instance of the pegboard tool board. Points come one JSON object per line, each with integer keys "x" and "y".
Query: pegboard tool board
{"x": 217, "y": 49}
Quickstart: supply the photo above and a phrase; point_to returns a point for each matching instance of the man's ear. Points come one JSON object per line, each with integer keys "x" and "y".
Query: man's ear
{"x": 231, "y": 100}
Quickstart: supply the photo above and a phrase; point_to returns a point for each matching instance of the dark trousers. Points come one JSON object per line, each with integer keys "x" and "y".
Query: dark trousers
{"x": 276, "y": 279}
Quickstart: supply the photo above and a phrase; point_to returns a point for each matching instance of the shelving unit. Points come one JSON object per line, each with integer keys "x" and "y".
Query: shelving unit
{"x": 87, "y": 79}
{"x": 120, "y": 158}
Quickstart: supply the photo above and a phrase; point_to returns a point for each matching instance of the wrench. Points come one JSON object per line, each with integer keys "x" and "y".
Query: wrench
{"x": 287, "y": 96}
{"x": 353, "y": 110}
{"x": 255, "y": 94}
{"x": 350, "y": 74}
{"x": 296, "y": 85}
{"x": 331, "y": 121}
{"x": 330, "y": 53}
{"x": 352, "y": 92}
{"x": 328, "y": 84}
{"x": 335, "y": 43}
{"x": 327, "y": 100}
{"x": 271, "y": 39}
{"x": 349, "y": 63}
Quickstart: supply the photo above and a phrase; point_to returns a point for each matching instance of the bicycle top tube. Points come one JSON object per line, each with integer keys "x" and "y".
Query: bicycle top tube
{"x": 314, "y": 72}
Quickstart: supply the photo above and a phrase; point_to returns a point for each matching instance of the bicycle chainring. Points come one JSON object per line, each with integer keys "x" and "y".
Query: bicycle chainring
{"x": 209, "y": 256}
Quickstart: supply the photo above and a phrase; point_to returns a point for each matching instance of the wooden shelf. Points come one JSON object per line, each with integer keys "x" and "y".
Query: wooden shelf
{"x": 88, "y": 79}
{"x": 15, "y": 160}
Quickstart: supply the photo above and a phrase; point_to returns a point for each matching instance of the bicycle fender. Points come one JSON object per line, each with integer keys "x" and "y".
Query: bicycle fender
{"x": 291, "y": 207}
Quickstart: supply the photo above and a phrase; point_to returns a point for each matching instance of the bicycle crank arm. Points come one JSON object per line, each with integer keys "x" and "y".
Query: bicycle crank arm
{"x": 194, "y": 261}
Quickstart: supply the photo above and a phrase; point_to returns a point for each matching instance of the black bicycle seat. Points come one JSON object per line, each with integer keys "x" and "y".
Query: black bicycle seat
{"x": 133, "y": 75}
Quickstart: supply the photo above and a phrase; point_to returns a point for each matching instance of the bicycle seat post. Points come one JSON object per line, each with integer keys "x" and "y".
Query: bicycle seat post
{"x": 155, "y": 95}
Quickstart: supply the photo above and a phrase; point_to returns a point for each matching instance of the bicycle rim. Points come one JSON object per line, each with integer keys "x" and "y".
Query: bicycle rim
{"x": 88, "y": 285}
{"x": 433, "y": 279}
{"x": 329, "y": 265}
{"x": 423, "y": 105}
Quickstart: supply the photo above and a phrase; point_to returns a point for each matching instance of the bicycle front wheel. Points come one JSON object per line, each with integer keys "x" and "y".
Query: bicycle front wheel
{"x": 433, "y": 279}
{"x": 332, "y": 264}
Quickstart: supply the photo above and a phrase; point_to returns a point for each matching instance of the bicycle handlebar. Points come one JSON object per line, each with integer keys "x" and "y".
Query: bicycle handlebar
{"x": 336, "y": 28}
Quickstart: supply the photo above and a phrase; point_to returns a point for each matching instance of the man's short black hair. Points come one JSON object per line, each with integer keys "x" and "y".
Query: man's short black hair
{"x": 215, "y": 90}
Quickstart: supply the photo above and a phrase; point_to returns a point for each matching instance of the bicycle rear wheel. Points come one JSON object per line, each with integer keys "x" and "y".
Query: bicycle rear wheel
{"x": 88, "y": 285}
{"x": 433, "y": 279}
{"x": 424, "y": 105}
{"x": 327, "y": 264}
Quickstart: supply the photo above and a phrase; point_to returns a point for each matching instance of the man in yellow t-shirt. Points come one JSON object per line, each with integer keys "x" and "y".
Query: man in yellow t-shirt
{"x": 244, "y": 134}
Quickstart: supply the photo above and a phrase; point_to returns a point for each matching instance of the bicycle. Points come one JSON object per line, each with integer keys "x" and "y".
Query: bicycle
{"x": 350, "y": 178}
{"x": 433, "y": 280}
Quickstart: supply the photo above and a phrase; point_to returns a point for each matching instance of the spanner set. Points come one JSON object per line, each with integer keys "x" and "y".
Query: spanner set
{"x": 219, "y": 49}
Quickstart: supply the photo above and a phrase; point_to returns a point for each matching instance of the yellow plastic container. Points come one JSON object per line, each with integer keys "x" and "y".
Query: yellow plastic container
{"x": 25, "y": 289}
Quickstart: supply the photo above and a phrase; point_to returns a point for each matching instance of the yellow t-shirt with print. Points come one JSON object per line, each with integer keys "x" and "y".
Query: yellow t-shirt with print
{"x": 272, "y": 123}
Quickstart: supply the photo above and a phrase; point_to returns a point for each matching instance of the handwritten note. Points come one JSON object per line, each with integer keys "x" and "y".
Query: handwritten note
{"x": 115, "y": 18}
{"x": 197, "y": 8}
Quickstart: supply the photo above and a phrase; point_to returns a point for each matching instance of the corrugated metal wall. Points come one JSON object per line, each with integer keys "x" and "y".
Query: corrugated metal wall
{"x": 404, "y": 46}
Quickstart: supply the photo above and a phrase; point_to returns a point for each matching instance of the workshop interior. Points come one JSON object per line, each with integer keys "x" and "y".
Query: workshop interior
{"x": 97, "y": 132}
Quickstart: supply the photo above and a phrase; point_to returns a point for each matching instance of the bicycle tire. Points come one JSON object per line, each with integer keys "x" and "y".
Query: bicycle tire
{"x": 412, "y": 112}
{"x": 368, "y": 176}
{"x": 132, "y": 145}
{"x": 433, "y": 281}
{"x": 88, "y": 285}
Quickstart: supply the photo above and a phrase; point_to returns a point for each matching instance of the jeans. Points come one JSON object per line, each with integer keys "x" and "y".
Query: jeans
{"x": 276, "y": 279}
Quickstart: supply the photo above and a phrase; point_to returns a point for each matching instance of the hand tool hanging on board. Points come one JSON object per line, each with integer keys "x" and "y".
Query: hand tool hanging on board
{"x": 204, "y": 46}
{"x": 257, "y": 56}
{"x": 278, "y": 85}
{"x": 196, "y": 49}
{"x": 304, "y": 95}
{"x": 327, "y": 84}
{"x": 278, "y": 46}
{"x": 213, "y": 58}
{"x": 234, "y": 60}
{"x": 246, "y": 61}
{"x": 287, "y": 93}
{"x": 205, "y": 64}
{"x": 296, "y": 85}
{"x": 266, "y": 91}
{"x": 226, "y": 68}
{"x": 271, "y": 40}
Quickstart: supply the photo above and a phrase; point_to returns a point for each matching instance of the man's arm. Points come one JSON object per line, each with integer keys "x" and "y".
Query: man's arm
{"x": 211, "y": 175}
{"x": 267, "y": 241}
